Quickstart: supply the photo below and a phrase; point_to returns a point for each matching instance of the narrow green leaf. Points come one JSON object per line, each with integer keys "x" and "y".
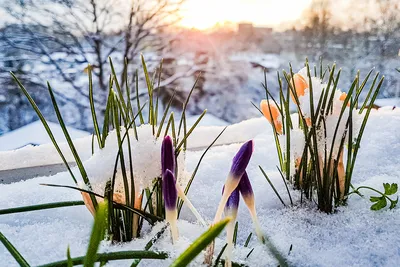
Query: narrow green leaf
{"x": 272, "y": 185}
{"x": 120, "y": 255}
{"x": 190, "y": 131}
{"x": 13, "y": 251}
{"x": 92, "y": 108}
{"x": 217, "y": 260}
{"x": 197, "y": 168}
{"x": 41, "y": 207}
{"x": 98, "y": 231}
{"x": 71, "y": 143}
{"x": 70, "y": 263}
{"x": 200, "y": 243}
{"x": 246, "y": 244}
{"x": 45, "y": 125}
{"x": 235, "y": 233}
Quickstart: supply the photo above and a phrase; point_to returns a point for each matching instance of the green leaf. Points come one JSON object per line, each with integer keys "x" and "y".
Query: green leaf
{"x": 393, "y": 203}
{"x": 42, "y": 207}
{"x": 14, "y": 252}
{"x": 45, "y": 125}
{"x": 380, "y": 204}
{"x": 217, "y": 260}
{"x": 375, "y": 199}
{"x": 119, "y": 255}
{"x": 99, "y": 228}
{"x": 69, "y": 259}
{"x": 392, "y": 189}
{"x": 200, "y": 243}
{"x": 248, "y": 240}
{"x": 386, "y": 186}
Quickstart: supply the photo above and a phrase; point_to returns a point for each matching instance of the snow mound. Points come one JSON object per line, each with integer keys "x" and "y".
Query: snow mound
{"x": 353, "y": 236}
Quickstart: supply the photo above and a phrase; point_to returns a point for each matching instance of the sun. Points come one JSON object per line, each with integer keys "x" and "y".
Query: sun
{"x": 204, "y": 14}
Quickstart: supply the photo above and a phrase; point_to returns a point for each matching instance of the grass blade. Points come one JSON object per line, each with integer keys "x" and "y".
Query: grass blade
{"x": 41, "y": 207}
{"x": 92, "y": 108}
{"x": 45, "y": 125}
{"x": 120, "y": 255}
{"x": 70, "y": 143}
{"x": 190, "y": 132}
{"x": 98, "y": 231}
{"x": 272, "y": 185}
{"x": 13, "y": 251}
{"x": 200, "y": 243}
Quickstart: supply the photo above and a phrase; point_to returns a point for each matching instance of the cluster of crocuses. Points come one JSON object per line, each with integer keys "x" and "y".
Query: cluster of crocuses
{"x": 325, "y": 133}
{"x": 236, "y": 184}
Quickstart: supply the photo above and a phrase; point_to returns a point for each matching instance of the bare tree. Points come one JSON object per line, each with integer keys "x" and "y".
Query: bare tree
{"x": 68, "y": 35}
{"x": 317, "y": 24}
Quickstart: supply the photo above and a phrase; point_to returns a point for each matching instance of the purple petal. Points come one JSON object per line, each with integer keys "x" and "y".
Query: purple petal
{"x": 167, "y": 155}
{"x": 245, "y": 187}
{"x": 233, "y": 200}
{"x": 241, "y": 159}
{"x": 169, "y": 190}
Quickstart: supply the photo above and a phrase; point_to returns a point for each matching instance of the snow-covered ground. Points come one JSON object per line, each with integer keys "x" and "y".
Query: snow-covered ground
{"x": 353, "y": 236}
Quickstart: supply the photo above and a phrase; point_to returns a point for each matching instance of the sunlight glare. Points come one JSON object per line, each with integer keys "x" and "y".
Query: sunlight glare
{"x": 204, "y": 14}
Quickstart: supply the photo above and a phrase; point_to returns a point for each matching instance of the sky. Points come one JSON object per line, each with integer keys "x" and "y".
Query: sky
{"x": 204, "y": 14}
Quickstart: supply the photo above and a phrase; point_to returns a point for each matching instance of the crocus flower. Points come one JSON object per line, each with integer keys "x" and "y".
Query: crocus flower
{"x": 231, "y": 209}
{"x": 170, "y": 198}
{"x": 168, "y": 163}
{"x": 239, "y": 165}
{"x": 117, "y": 197}
{"x": 246, "y": 190}
{"x": 341, "y": 175}
{"x": 300, "y": 85}
{"x": 167, "y": 155}
{"x": 272, "y": 114}
{"x": 342, "y": 98}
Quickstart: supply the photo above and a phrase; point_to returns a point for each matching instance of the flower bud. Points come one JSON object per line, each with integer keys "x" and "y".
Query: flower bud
{"x": 170, "y": 198}
{"x": 272, "y": 114}
{"x": 167, "y": 155}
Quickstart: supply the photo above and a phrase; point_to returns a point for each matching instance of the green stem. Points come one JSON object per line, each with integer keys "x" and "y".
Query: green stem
{"x": 120, "y": 255}
{"x": 372, "y": 189}
{"x": 14, "y": 252}
{"x": 42, "y": 207}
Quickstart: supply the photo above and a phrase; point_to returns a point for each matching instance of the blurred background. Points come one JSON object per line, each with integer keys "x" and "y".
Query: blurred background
{"x": 231, "y": 42}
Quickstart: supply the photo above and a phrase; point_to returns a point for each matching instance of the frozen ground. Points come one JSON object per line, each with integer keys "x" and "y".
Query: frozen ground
{"x": 353, "y": 236}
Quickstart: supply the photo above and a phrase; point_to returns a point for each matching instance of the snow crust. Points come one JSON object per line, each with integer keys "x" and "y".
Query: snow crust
{"x": 353, "y": 236}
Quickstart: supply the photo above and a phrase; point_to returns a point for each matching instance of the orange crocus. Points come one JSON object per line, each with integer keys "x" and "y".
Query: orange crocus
{"x": 342, "y": 97}
{"x": 117, "y": 197}
{"x": 300, "y": 85}
{"x": 271, "y": 113}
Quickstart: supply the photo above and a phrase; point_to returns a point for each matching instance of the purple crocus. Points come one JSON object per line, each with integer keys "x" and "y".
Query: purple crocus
{"x": 169, "y": 190}
{"x": 233, "y": 202}
{"x": 168, "y": 163}
{"x": 241, "y": 159}
{"x": 239, "y": 165}
{"x": 231, "y": 210}
{"x": 167, "y": 155}
{"x": 246, "y": 190}
{"x": 170, "y": 198}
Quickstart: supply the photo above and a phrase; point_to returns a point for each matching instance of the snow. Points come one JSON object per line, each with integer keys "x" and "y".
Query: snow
{"x": 353, "y": 236}
{"x": 35, "y": 134}
{"x": 388, "y": 102}
{"x": 207, "y": 120}
{"x": 202, "y": 136}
